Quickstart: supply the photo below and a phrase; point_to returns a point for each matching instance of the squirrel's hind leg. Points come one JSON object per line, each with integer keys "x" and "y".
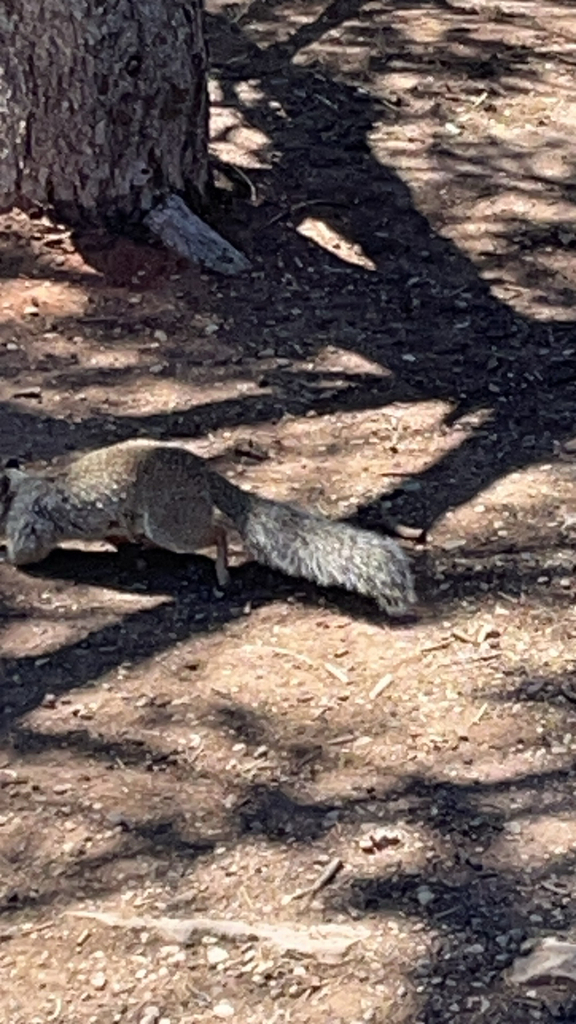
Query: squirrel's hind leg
{"x": 195, "y": 530}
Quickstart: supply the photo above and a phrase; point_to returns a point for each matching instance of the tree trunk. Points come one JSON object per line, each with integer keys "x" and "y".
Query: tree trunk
{"x": 103, "y": 107}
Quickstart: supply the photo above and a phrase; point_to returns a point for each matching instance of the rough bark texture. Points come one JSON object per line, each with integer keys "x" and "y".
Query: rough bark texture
{"x": 184, "y": 233}
{"x": 103, "y": 106}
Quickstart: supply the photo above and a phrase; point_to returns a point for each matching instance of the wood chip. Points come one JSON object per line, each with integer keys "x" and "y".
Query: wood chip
{"x": 458, "y": 635}
{"x": 551, "y": 958}
{"x": 339, "y": 673}
{"x": 380, "y": 686}
{"x": 184, "y": 233}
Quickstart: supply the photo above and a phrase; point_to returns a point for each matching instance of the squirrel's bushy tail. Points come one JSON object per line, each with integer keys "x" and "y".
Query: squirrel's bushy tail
{"x": 317, "y": 549}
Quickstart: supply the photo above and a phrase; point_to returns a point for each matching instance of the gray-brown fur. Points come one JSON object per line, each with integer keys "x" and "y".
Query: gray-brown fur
{"x": 163, "y": 494}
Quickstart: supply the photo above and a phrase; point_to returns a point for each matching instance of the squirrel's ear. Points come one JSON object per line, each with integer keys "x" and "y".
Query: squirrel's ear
{"x": 12, "y": 463}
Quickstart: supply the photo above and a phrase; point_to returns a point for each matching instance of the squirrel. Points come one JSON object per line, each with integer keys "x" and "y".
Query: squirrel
{"x": 161, "y": 494}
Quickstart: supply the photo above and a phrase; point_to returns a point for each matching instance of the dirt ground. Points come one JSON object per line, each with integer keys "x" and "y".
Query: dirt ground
{"x": 403, "y": 179}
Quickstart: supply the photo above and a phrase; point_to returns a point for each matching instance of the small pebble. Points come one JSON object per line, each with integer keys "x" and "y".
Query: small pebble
{"x": 150, "y": 1015}
{"x": 513, "y": 827}
{"x": 98, "y": 981}
{"x": 366, "y": 845}
{"x": 453, "y": 543}
{"x": 223, "y": 1010}
{"x": 216, "y": 955}
{"x": 424, "y": 895}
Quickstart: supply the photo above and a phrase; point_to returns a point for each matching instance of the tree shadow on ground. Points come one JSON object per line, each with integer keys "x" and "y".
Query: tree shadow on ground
{"x": 475, "y": 916}
{"x": 425, "y": 302}
{"x": 552, "y": 688}
{"x": 194, "y": 607}
{"x": 425, "y": 314}
{"x": 450, "y": 863}
{"x": 161, "y": 842}
{"x": 474, "y": 911}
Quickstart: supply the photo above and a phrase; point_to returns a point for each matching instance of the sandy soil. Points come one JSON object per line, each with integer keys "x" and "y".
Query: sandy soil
{"x": 404, "y": 351}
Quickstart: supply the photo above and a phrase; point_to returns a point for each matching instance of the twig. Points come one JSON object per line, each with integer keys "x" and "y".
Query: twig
{"x": 326, "y": 876}
{"x": 325, "y": 941}
{"x": 438, "y": 646}
{"x": 326, "y": 102}
{"x": 333, "y": 670}
{"x": 281, "y": 650}
{"x": 251, "y": 186}
{"x": 119, "y": 322}
{"x": 303, "y": 206}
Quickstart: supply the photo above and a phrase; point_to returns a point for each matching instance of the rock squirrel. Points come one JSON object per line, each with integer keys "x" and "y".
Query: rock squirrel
{"x": 144, "y": 491}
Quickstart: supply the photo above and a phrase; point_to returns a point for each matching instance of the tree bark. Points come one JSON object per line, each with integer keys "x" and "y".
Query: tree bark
{"x": 103, "y": 107}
